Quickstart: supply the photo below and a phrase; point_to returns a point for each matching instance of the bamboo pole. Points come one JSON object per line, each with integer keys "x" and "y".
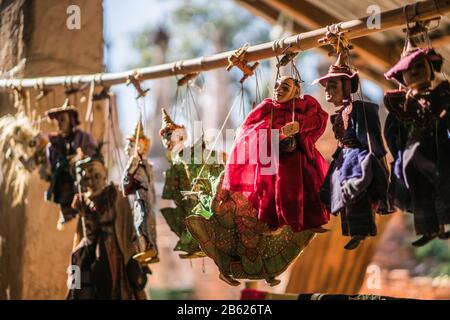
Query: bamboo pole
{"x": 424, "y": 10}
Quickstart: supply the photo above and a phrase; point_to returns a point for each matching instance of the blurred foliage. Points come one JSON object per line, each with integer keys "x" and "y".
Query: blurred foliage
{"x": 171, "y": 294}
{"x": 432, "y": 259}
{"x": 437, "y": 254}
{"x": 198, "y": 28}
{"x": 201, "y": 27}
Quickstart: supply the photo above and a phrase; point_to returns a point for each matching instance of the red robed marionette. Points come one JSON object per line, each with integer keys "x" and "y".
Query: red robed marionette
{"x": 285, "y": 187}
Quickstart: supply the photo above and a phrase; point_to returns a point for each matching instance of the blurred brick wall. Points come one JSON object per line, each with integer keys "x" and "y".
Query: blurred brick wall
{"x": 34, "y": 256}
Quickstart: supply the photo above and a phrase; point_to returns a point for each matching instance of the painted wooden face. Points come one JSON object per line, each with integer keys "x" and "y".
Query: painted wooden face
{"x": 286, "y": 90}
{"x": 174, "y": 140}
{"x": 418, "y": 75}
{"x": 94, "y": 177}
{"x": 334, "y": 92}
{"x": 64, "y": 121}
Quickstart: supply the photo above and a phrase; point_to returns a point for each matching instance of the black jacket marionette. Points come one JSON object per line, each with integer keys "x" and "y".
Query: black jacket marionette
{"x": 417, "y": 132}
{"x": 65, "y": 147}
{"x": 357, "y": 182}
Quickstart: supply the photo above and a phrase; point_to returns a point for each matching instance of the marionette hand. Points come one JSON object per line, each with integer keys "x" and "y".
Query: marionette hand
{"x": 81, "y": 203}
{"x": 354, "y": 187}
{"x": 77, "y": 202}
{"x": 78, "y": 156}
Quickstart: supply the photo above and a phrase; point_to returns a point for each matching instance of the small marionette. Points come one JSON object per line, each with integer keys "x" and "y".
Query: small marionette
{"x": 187, "y": 169}
{"x": 417, "y": 133}
{"x": 138, "y": 181}
{"x": 103, "y": 245}
{"x": 274, "y": 161}
{"x": 65, "y": 147}
{"x": 357, "y": 182}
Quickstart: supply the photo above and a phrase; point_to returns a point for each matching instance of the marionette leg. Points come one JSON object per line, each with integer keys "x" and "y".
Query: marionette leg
{"x": 229, "y": 280}
{"x": 358, "y": 221}
{"x": 149, "y": 230}
{"x": 423, "y": 197}
{"x": 443, "y": 192}
{"x": 425, "y": 218}
{"x": 443, "y": 209}
{"x": 147, "y": 248}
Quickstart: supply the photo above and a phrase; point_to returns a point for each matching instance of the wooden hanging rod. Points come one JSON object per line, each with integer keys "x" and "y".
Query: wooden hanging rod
{"x": 423, "y": 10}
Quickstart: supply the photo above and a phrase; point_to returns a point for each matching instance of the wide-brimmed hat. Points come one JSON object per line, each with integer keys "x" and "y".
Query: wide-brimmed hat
{"x": 66, "y": 107}
{"x": 340, "y": 69}
{"x": 409, "y": 57}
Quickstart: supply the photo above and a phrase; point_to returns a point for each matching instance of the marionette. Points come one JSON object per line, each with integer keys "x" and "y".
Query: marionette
{"x": 262, "y": 216}
{"x": 284, "y": 188}
{"x": 417, "y": 132}
{"x": 357, "y": 182}
{"x": 185, "y": 166}
{"x": 138, "y": 181}
{"x": 103, "y": 245}
{"x": 65, "y": 147}
{"x": 227, "y": 227}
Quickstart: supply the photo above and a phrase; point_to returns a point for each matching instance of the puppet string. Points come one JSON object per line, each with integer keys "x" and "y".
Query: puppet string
{"x": 215, "y": 143}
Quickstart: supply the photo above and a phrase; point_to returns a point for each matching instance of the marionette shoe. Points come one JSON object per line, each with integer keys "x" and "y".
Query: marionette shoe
{"x": 147, "y": 256}
{"x": 354, "y": 242}
{"x": 229, "y": 280}
{"x": 199, "y": 254}
{"x": 273, "y": 282}
{"x": 423, "y": 240}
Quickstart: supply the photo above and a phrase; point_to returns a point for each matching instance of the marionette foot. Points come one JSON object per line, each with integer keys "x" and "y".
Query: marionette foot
{"x": 319, "y": 230}
{"x": 354, "y": 242}
{"x": 273, "y": 282}
{"x": 199, "y": 254}
{"x": 423, "y": 240}
{"x": 147, "y": 269}
{"x": 145, "y": 256}
{"x": 229, "y": 280}
{"x": 151, "y": 260}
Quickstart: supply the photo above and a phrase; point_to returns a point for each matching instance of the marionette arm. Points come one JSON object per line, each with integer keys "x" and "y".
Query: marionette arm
{"x": 129, "y": 183}
{"x": 368, "y": 113}
{"x": 352, "y": 188}
{"x": 81, "y": 202}
{"x": 88, "y": 144}
{"x": 314, "y": 121}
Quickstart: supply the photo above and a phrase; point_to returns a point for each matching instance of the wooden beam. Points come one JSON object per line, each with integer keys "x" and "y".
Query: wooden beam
{"x": 312, "y": 17}
{"x": 440, "y": 38}
{"x": 304, "y": 41}
{"x": 267, "y": 13}
{"x": 270, "y": 15}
